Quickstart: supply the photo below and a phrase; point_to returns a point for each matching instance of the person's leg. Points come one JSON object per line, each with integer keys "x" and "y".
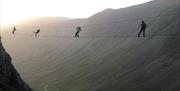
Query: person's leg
{"x": 139, "y": 32}
{"x": 76, "y": 35}
{"x": 143, "y": 32}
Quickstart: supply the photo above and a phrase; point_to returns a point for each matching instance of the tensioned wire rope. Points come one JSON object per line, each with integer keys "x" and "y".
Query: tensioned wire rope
{"x": 98, "y": 24}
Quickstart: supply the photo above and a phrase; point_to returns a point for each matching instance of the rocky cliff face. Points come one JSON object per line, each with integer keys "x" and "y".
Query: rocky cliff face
{"x": 10, "y": 79}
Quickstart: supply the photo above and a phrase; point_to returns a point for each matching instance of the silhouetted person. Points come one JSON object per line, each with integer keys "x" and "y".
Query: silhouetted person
{"x": 78, "y": 30}
{"x": 14, "y": 29}
{"x": 143, "y": 28}
{"x": 37, "y": 32}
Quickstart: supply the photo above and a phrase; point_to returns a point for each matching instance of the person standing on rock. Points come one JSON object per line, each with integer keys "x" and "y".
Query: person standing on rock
{"x": 78, "y": 30}
{"x": 143, "y": 28}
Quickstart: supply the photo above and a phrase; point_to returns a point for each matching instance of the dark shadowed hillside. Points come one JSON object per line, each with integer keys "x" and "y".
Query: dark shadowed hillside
{"x": 108, "y": 56}
{"x": 10, "y": 79}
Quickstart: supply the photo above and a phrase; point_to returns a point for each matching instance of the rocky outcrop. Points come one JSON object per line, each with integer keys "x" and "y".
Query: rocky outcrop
{"x": 10, "y": 79}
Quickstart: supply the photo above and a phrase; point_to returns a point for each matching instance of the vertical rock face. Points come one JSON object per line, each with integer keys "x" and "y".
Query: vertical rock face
{"x": 10, "y": 79}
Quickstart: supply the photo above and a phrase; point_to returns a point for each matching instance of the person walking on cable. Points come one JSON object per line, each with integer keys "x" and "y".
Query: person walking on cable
{"x": 78, "y": 30}
{"x": 143, "y": 28}
{"x": 14, "y": 29}
{"x": 37, "y": 32}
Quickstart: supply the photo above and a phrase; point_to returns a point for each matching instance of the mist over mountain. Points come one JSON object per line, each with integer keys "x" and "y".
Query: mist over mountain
{"x": 108, "y": 56}
{"x": 43, "y": 21}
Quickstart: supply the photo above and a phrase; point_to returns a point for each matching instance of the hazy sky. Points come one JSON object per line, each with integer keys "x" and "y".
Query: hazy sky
{"x": 14, "y": 10}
